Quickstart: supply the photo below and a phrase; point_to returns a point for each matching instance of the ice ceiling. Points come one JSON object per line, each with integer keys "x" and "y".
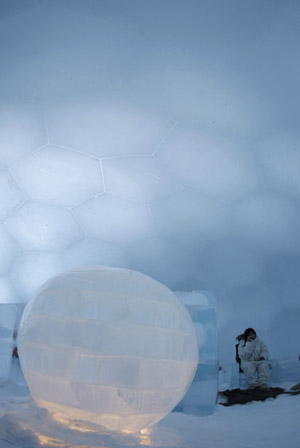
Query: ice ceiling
{"x": 161, "y": 136}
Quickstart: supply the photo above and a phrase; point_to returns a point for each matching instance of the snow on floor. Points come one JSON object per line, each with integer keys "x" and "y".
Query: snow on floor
{"x": 270, "y": 424}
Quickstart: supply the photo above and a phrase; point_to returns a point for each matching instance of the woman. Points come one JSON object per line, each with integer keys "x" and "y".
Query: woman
{"x": 254, "y": 360}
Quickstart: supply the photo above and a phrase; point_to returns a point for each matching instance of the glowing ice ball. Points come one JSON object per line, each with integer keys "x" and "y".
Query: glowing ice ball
{"x": 108, "y": 346}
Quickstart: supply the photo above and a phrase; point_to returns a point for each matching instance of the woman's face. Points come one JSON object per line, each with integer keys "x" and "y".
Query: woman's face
{"x": 251, "y": 336}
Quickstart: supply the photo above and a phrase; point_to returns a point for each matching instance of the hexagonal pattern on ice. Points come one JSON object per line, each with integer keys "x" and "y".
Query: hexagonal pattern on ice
{"x": 114, "y": 219}
{"x": 209, "y": 164}
{"x": 105, "y": 128}
{"x": 158, "y": 258}
{"x": 10, "y": 194}
{"x": 8, "y": 249}
{"x": 270, "y": 220}
{"x": 141, "y": 179}
{"x": 59, "y": 175}
{"x": 44, "y": 227}
{"x": 230, "y": 262}
{"x": 32, "y": 269}
{"x": 95, "y": 252}
{"x": 190, "y": 218}
{"x": 22, "y": 130}
{"x": 7, "y": 292}
{"x": 279, "y": 155}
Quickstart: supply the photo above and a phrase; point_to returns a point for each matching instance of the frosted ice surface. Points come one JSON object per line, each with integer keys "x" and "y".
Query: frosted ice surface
{"x": 95, "y": 252}
{"x": 281, "y": 277}
{"x": 285, "y": 323}
{"x": 177, "y": 91}
{"x": 44, "y": 227}
{"x": 191, "y": 218}
{"x": 224, "y": 306}
{"x": 8, "y": 249}
{"x": 7, "y": 325}
{"x": 247, "y": 300}
{"x": 46, "y": 73}
{"x": 114, "y": 219}
{"x": 108, "y": 346}
{"x": 190, "y": 95}
{"x": 10, "y": 315}
{"x": 279, "y": 155}
{"x": 105, "y": 128}
{"x": 160, "y": 259}
{"x": 138, "y": 178}
{"x": 7, "y": 292}
{"x": 22, "y": 130}
{"x": 59, "y": 175}
{"x": 269, "y": 220}
{"x": 31, "y": 269}
{"x": 200, "y": 298}
{"x": 129, "y": 81}
{"x": 209, "y": 165}
{"x": 202, "y": 307}
{"x": 202, "y": 395}
{"x": 232, "y": 262}
{"x": 10, "y": 194}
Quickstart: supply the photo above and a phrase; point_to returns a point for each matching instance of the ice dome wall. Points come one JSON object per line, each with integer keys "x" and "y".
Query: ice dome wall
{"x": 157, "y": 136}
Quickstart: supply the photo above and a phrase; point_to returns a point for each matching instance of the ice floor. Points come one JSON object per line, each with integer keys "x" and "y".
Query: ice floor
{"x": 269, "y": 424}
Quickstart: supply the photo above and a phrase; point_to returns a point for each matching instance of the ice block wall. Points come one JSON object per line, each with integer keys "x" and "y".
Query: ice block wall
{"x": 10, "y": 315}
{"x": 201, "y": 397}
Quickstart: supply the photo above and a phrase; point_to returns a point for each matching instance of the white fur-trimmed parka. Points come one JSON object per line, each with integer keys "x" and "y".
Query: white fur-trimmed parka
{"x": 252, "y": 350}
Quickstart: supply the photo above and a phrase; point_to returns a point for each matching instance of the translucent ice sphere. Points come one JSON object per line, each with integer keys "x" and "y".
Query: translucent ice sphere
{"x": 107, "y": 346}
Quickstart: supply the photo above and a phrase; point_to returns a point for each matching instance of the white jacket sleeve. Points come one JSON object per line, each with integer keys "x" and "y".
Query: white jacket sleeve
{"x": 246, "y": 349}
{"x": 264, "y": 351}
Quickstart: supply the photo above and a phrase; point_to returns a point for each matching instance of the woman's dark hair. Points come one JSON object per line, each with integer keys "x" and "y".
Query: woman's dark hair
{"x": 247, "y": 332}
